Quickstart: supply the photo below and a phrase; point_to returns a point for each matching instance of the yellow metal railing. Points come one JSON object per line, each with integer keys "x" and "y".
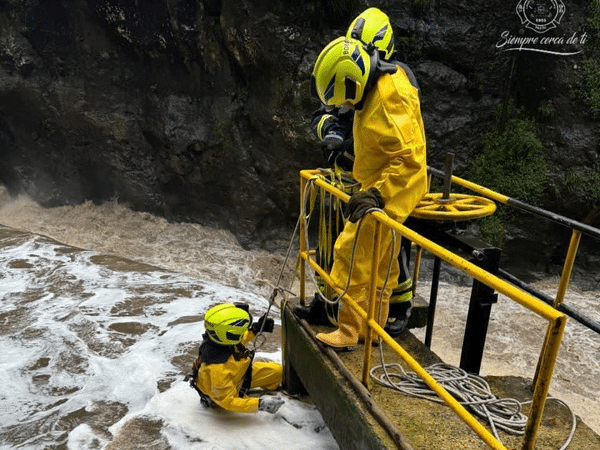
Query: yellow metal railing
{"x": 556, "y": 320}
{"x": 575, "y": 226}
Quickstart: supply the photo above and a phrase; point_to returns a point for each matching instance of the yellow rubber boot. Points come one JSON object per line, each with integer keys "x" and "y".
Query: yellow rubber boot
{"x": 349, "y": 327}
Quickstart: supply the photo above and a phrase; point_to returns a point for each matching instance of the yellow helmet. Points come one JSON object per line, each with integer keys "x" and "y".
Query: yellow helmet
{"x": 341, "y": 72}
{"x": 225, "y": 324}
{"x": 373, "y": 26}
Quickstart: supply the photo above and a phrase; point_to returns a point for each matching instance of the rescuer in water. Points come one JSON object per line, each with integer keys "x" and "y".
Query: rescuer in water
{"x": 333, "y": 127}
{"x": 390, "y": 165}
{"x": 225, "y": 369}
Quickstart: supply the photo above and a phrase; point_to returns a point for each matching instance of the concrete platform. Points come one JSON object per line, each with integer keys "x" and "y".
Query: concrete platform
{"x": 382, "y": 418}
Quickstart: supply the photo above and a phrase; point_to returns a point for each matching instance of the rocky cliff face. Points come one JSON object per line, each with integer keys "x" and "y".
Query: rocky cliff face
{"x": 188, "y": 109}
{"x": 198, "y": 109}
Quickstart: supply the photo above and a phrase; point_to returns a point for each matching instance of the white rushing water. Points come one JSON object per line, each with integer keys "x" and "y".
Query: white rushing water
{"x": 86, "y": 344}
{"x": 95, "y": 348}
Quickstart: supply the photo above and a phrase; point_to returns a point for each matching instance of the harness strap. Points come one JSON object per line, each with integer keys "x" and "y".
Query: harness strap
{"x": 247, "y": 383}
{"x": 205, "y": 400}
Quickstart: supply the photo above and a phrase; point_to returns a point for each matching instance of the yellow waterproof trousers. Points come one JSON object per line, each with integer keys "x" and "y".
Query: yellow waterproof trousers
{"x": 351, "y": 326}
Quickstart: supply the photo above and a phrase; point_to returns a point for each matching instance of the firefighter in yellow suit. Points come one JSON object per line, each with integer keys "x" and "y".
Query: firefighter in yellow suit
{"x": 333, "y": 127}
{"x": 390, "y": 164}
{"x": 225, "y": 370}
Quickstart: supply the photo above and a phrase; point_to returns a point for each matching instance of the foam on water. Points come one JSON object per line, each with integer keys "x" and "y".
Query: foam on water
{"x": 182, "y": 418}
{"x": 87, "y": 349}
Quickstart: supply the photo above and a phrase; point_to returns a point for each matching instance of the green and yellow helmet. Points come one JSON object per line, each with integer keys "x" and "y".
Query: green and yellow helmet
{"x": 373, "y": 26}
{"x": 225, "y": 324}
{"x": 341, "y": 72}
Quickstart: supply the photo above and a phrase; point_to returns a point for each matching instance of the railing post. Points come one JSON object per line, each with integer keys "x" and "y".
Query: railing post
{"x": 567, "y": 268}
{"x": 554, "y": 335}
{"x": 435, "y": 281}
{"x": 562, "y": 287}
{"x": 372, "y": 300}
{"x": 303, "y": 183}
{"x": 478, "y": 317}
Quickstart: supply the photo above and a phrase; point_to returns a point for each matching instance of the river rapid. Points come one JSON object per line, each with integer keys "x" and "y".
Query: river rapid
{"x": 201, "y": 267}
{"x": 97, "y": 335}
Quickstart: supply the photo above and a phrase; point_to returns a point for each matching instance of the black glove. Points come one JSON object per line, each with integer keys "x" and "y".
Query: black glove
{"x": 362, "y": 201}
{"x": 332, "y": 140}
{"x": 269, "y": 325}
{"x": 342, "y": 154}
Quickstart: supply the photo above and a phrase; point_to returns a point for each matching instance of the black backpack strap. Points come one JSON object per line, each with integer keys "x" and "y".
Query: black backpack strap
{"x": 205, "y": 400}
{"x": 247, "y": 383}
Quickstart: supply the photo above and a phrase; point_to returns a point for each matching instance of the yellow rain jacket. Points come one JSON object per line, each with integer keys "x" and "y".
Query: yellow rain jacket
{"x": 389, "y": 148}
{"x": 222, "y": 381}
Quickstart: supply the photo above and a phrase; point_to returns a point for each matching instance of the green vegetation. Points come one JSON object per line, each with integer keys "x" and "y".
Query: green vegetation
{"x": 590, "y": 71}
{"x": 512, "y": 160}
{"x": 511, "y": 163}
{"x": 492, "y": 229}
{"x": 546, "y": 111}
{"x": 584, "y": 183}
{"x": 591, "y": 85}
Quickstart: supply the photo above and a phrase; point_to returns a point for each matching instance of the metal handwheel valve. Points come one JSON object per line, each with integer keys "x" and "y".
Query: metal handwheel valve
{"x": 452, "y": 207}
{"x": 457, "y": 207}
